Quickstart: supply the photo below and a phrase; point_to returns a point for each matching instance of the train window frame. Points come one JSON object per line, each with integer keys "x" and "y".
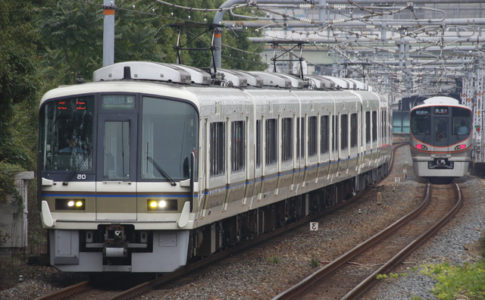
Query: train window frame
{"x": 217, "y": 147}
{"x": 344, "y": 132}
{"x": 312, "y": 136}
{"x": 324, "y": 134}
{"x": 286, "y": 139}
{"x": 238, "y": 145}
{"x": 271, "y": 141}
{"x": 353, "y": 130}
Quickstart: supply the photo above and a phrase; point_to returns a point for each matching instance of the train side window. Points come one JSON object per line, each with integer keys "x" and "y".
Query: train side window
{"x": 258, "y": 143}
{"x": 238, "y": 145}
{"x": 271, "y": 141}
{"x": 353, "y": 130}
{"x": 334, "y": 134}
{"x": 300, "y": 137}
{"x": 312, "y": 136}
{"x": 344, "y": 129}
{"x": 367, "y": 127}
{"x": 286, "y": 139}
{"x": 374, "y": 126}
{"x": 217, "y": 147}
{"x": 324, "y": 134}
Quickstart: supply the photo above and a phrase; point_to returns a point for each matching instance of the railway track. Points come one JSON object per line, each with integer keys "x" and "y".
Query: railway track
{"x": 353, "y": 273}
{"x": 82, "y": 289}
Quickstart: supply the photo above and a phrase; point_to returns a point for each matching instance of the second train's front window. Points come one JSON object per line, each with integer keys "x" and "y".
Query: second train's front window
{"x": 169, "y": 137}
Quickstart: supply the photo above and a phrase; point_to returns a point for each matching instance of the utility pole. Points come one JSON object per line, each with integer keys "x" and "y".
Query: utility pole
{"x": 109, "y": 32}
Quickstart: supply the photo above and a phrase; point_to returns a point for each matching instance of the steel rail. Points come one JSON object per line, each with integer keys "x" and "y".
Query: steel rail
{"x": 365, "y": 284}
{"x": 298, "y": 289}
{"x": 66, "y": 292}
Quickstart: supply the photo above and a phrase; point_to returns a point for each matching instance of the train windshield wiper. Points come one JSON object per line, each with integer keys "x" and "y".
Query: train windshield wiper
{"x": 161, "y": 171}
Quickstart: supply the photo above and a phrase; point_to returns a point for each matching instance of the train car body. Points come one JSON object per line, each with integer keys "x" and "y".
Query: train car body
{"x": 139, "y": 175}
{"x": 441, "y": 141}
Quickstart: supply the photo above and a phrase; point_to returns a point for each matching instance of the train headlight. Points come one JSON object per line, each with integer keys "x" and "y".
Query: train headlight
{"x": 162, "y": 204}
{"x": 460, "y": 147}
{"x": 70, "y": 204}
{"x": 421, "y": 147}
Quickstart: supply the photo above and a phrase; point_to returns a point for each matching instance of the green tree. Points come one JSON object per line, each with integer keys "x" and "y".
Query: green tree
{"x": 18, "y": 78}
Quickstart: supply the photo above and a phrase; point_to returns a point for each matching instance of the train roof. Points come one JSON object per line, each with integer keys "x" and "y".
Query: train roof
{"x": 440, "y": 101}
{"x": 180, "y": 74}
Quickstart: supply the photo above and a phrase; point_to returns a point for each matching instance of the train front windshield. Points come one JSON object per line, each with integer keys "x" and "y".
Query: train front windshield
{"x": 441, "y": 125}
{"x": 117, "y": 137}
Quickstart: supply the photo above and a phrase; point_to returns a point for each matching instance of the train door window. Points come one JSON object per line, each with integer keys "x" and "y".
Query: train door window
{"x": 324, "y": 134}
{"x": 286, "y": 139}
{"x": 367, "y": 127}
{"x": 238, "y": 145}
{"x": 217, "y": 148}
{"x": 374, "y": 126}
{"x": 353, "y": 130}
{"x": 334, "y": 134}
{"x": 258, "y": 143}
{"x": 300, "y": 137}
{"x": 312, "y": 136}
{"x": 344, "y": 129}
{"x": 271, "y": 141}
{"x": 440, "y": 131}
{"x": 116, "y": 150}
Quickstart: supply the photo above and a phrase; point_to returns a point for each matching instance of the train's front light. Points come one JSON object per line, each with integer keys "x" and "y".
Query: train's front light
{"x": 70, "y": 204}
{"x": 162, "y": 204}
{"x": 421, "y": 147}
{"x": 460, "y": 147}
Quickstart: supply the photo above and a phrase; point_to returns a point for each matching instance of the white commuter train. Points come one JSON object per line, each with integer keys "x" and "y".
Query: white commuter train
{"x": 152, "y": 165}
{"x": 441, "y": 139}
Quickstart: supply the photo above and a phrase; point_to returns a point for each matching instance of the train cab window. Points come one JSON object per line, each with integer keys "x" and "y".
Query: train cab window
{"x": 324, "y": 134}
{"x": 217, "y": 148}
{"x": 461, "y": 122}
{"x": 271, "y": 141}
{"x": 374, "y": 126}
{"x": 312, "y": 136}
{"x": 169, "y": 137}
{"x": 421, "y": 123}
{"x": 367, "y": 127}
{"x": 258, "y": 143}
{"x": 344, "y": 131}
{"x": 286, "y": 139}
{"x": 353, "y": 130}
{"x": 238, "y": 145}
{"x": 66, "y": 134}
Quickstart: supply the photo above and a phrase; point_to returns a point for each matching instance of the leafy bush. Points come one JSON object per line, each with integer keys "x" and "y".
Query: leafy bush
{"x": 457, "y": 281}
{"x": 7, "y": 185}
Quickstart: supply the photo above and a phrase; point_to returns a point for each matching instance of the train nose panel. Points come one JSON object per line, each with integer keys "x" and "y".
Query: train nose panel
{"x": 116, "y": 201}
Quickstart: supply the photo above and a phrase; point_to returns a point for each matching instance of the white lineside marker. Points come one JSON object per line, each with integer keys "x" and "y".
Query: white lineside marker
{"x": 313, "y": 226}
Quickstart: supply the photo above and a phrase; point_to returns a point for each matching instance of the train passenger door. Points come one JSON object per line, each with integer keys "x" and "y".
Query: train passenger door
{"x": 116, "y": 165}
